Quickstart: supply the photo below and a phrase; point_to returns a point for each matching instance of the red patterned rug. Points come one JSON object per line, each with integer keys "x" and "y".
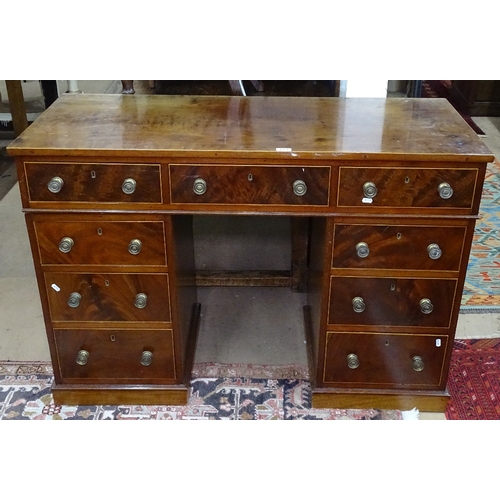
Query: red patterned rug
{"x": 474, "y": 381}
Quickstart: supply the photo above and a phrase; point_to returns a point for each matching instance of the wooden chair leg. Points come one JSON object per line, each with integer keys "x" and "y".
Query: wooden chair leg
{"x": 17, "y": 105}
{"x": 128, "y": 87}
{"x": 258, "y": 85}
{"x": 237, "y": 87}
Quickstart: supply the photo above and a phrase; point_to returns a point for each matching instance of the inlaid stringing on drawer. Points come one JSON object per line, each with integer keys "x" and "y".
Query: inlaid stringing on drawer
{"x": 250, "y": 185}
{"x": 409, "y": 188}
{"x": 95, "y": 242}
{"x": 93, "y": 182}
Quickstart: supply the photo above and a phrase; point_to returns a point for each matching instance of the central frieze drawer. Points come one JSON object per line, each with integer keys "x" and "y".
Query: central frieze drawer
{"x": 93, "y": 182}
{"x": 373, "y": 188}
{"x": 101, "y": 242}
{"x": 390, "y": 360}
{"x": 391, "y": 301}
{"x": 250, "y": 185}
{"x": 108, "y": 297}
{"x": 115, "y": 356}
{"x": 379, "y": 246}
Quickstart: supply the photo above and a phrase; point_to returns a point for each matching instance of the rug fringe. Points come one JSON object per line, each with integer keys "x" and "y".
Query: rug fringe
{"x": 411, "y": 414}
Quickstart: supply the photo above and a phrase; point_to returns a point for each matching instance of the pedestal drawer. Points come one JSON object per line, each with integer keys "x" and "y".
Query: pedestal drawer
{"x": 115, "y": 356}
{"x": 391, "y": 301}
{"x": 101, "y": 242}
{"x": 389, "y": 360}
{"x": 382, "y": 246}
{"x": 250, "y": 185}
{"x": 93, "y": 182}
{"x": 108, "y": 297}
{"x": 429, "y": 187}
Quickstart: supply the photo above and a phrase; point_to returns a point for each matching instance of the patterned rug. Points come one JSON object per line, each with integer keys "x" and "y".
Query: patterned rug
{"x": 474, "y": 381}
{"x": 25, "y": 395}
{"x": 482, "y": 281}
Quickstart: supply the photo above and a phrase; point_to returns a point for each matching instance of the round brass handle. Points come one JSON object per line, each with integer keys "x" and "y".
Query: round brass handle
{"x": 66, "y": 244}
{"x": 141, "y": 299}
{"x": 352, "y": 361}
{"x": 128, "y": 186}
{"x": 434, "y": 251}
{"x": 417, "y": 363}
{"x": 358, "y": 304}
{"x": 55, "y": 184}
{"x": 200, "y": 186}
{"x": 445, "y": 190}
{"x": 146, "y": 358}
{"x": 74, "y": 300}
{"x": 426, "y": 306}
{"x": 369, "y": 190}
{"x": 82, "y": 357}
{"x": 362, "y": 249}
{"x": 299, "y": 188}
{"x": 135, "y": 246}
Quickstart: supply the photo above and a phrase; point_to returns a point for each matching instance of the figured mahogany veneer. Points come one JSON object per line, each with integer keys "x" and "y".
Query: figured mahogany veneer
{"x": 385, "y": 360}
{"x": 115, "y": 356}
{"x": 108, "y": 297}
{"x": 382, "y": 193}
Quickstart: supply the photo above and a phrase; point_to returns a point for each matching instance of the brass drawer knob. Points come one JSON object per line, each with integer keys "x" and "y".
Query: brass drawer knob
{"x": 352, "y": 361}
{"x": 141, "y": 299}
{"x": 74, "y": 300}
{"x": 146, "y": 358}
{"x": 82, "y": 357}
{"x": 426, "y": 306}
{"x": 128, "y": 186}
{"x": 445, "y": 190}
{"x": 417, "y": 363}
{"x": 358, "y": 304}
{"x": 434, "y": 251}
{"x": 200, "y": 186}
{"x": 66, "y": 244}
{"x": 134, "y": 247}
{"x": 299, "y": 188}
{"x": 362, "y": 249}
{"x": 55, "y": 184}
{"x": 369, "y": 190}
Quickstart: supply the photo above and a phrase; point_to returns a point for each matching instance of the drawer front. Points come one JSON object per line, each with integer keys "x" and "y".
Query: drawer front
{"x": 406, "y": 187}
{"x": 108, "y": 297}
{"x": 421, "y": 248}
{"x": 115, "y": 356}
{"x": 391, "y": 301}
{"x": 99, "y": 242}
{"x": 390, "y": 360}
{"x": 93, "y": 182}
{"x": 250, "y": 185}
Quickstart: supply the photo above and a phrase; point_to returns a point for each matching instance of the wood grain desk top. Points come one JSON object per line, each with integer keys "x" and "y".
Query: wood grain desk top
{"x": 252, "y": 127}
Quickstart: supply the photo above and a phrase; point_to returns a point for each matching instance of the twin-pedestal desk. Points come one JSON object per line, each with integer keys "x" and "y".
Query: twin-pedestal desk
{"x": 382, "y": 195}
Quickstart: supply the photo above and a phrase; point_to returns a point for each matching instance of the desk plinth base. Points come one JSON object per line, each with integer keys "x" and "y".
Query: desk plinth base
{"x": 86, "y": 395}
{"x": 432, "y": 401}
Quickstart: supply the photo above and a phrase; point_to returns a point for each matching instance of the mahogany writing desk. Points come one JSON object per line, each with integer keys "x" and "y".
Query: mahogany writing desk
{"x": 383, "y": 195}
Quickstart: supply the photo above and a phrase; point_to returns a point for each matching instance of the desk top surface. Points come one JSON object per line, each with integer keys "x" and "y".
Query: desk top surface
{"x": 252, "y": 127}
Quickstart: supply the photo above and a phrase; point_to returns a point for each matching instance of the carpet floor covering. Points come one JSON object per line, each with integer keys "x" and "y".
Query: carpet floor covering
{"x": 482, "y": 282}
{"x": 25, "y": 394}
{"x": 474, "y": 380}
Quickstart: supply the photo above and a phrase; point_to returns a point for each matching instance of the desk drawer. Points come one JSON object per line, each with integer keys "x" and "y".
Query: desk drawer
{"x": 108, "y": 297}
{"x": 93, "y": 182}
{"x": 250, "y": 185}
{"x": 115, "y": 356}
{"x": 385, "y": 360}
{"x": 391, "y": 301}
{"x": 373, "y": 188}
{"x": 101, "y": 242}
{"x": 381, "y": 246}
